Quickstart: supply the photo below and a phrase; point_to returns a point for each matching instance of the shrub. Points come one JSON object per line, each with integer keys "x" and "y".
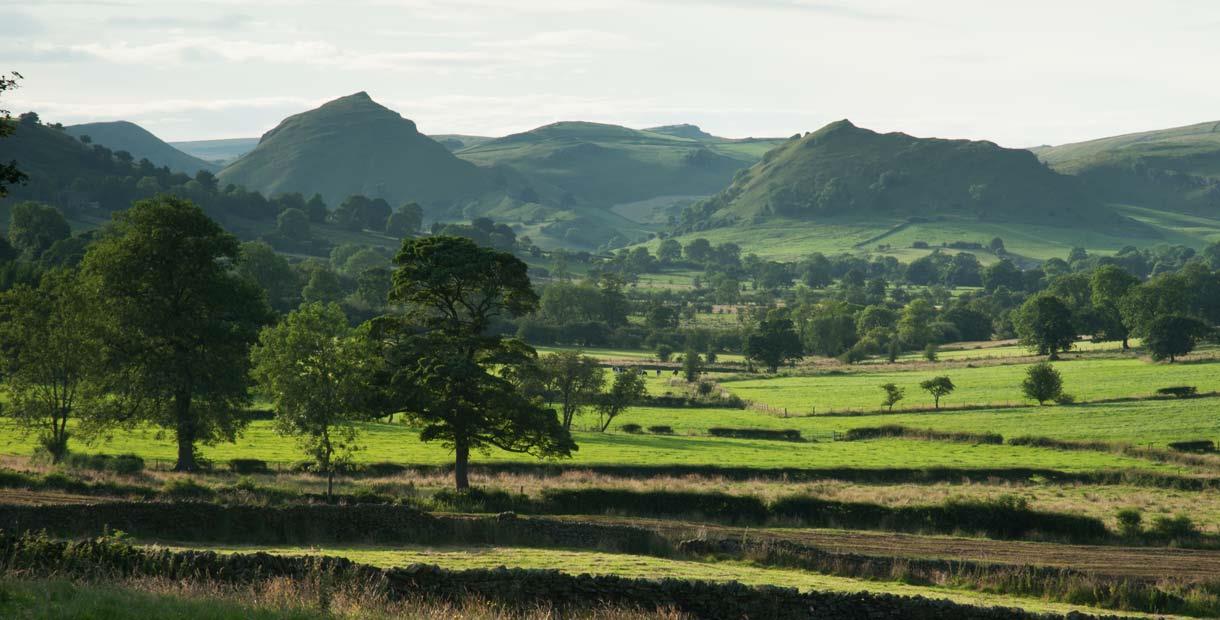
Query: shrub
{"x": 1179, "y": 391}
{"x": 931, "y": 352}
{"x": 661, "y": 429}
{"x": 631, "y": 428}
{"x": 1130, "y": 522}
{"x": 186, "y": 488}
{"x": 786, "y": 434}
{"x": 126, "y": 464}
{"x": 1042, "y": 383}
{"x": 1197, "y": 445}
{"x": 482, "y": 500}
{"x": 248, "y": 466}
{"x": 893, "y": 394}
{"x": 1178, "y": 527}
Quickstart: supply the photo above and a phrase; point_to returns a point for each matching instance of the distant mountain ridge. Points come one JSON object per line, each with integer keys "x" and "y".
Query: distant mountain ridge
{"x": 602, "y": 165}
{"x": 221, "y": 151}
{"x": 842, "y": 169}
{"x": 353, "y": 145}
{"x": 142, "y": 144}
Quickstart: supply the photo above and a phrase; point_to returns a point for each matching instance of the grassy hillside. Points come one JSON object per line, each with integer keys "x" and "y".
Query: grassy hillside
{"x": 842, "y": 169}
{"x": 1168, "y": 170}
{"x": 221, "y": 152}
{"x": 142, "y": 144}
{"x": 353, "y": 145}
{"x": 604, "y": 165}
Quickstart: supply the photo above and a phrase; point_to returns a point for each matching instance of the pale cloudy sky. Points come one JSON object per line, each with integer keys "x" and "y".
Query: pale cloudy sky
{"x": 1017, "y": 72}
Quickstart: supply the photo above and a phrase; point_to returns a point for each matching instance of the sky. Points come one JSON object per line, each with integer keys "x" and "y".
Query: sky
{"x": 1017, "y": 73}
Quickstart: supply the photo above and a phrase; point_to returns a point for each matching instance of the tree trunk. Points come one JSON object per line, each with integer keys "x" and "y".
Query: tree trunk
{"x": 330, "y": 484}
{"x": 1125, "y": 345}
{"x": 186, "y": 433}
{"x": 461, "y": 476}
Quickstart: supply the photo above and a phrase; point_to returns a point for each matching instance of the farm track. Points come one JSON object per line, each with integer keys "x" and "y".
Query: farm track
{"x": 1145, "y": 563}
{"x": 23, "y": 496}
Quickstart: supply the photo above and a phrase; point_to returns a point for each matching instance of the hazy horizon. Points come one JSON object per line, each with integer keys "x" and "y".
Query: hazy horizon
{"x": 1049, "y": 73}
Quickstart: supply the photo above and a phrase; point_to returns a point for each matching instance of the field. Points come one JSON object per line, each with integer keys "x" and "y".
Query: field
{"x": 577, "y": 562}
{"x": 1086, "y": 379}
{"x": 787, "y": 240}
{"x": 823, "y": 467}
{"x": 400, "y": 444}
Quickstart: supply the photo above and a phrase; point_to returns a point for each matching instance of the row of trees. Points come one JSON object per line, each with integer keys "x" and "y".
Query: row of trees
{"x": 160, "y": 326}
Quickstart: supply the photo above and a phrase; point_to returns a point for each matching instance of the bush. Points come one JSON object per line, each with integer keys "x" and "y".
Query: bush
{"x": 631, "y": 428}
{"x": 186, "y": 488}
{"x": 482, "y": 500}
{"x": 787, "y": 434}
{"x": 1178, "y": 527}
{"x": 1197, "y": 445}
{"x": 1042, "y": 383}
{"x": 1130, "y": 522}
{"x": 126, "y": 464}
{"x": 248, "y": 466}
{"x": 1179, "y": 391}
{"x": 661, "y": 429}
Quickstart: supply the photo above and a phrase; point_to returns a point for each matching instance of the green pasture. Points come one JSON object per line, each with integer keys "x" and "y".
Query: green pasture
{"x": 858, "y": 390}
{"x": 641, "y": 567}
{"x": 399, "y": 443}
{"x": 1154, "y": 422}
{"x": 786, "y": 240}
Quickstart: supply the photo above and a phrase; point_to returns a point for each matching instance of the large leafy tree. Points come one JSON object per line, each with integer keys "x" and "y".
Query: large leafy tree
{"x": 570, "y": 380}
{"x": 1044, "y": 323}
{"x": 627, "y": 389}
{"x": 52, "y": 360}
{"x": 447, "y": 369}
{"x": 34, "y": 227}
{"x": 178, "y": 321}
{"x": 319, "y": 374}
{"x": 9, "y": 174}
{"x": 1108, "y": 284}
{"x": 775, "y": 343}
{"x": 1174, "y": 335}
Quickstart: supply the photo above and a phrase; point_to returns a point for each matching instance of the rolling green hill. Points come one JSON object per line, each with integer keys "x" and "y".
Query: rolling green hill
{"x": 842, "y": 169}
{"x": 848, "y": 189}
{"x": 221, "y": 152}
{"x": 599, "y": 165}
{"x": 142, "y": 144}
{"x": 353, "y": 145}
{"x": 1171, "y": 169}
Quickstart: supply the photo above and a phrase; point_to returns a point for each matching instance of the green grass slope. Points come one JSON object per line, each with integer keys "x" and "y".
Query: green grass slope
{"x": 353, "y": 145}
{"x": 222, "y": 151}
{"x": 142, "y": 144}
{"x": 1171, "y": 169}
{"x": 604, "y": 165}
{"x": 845, "y": 170}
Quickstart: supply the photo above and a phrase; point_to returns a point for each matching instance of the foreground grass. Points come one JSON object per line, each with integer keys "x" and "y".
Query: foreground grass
{"x": 577, "y": 562}
{"x": 1086, "y": 379}
{"x": 398, "y": 443}
{"x": 275, "y": 599}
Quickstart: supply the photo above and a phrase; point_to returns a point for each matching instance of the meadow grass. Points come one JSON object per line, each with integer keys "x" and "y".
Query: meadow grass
{"x": 1155, "y": 422}
{"x": 271, "y": 599}
{"x": 1086, "y": 379}
{"x": 398, "y": 443}
{"x": 646, "y": 567}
